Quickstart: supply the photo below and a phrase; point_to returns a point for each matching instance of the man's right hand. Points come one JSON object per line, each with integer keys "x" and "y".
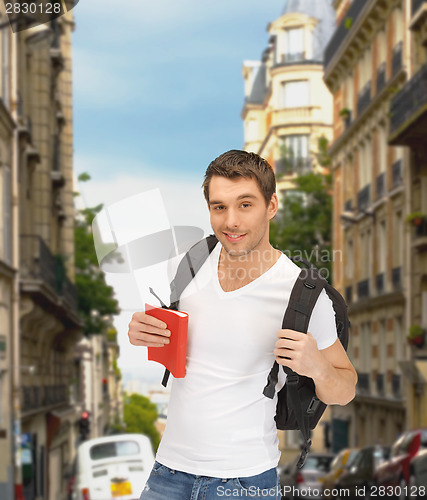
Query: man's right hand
{"x": 147, "y": 331}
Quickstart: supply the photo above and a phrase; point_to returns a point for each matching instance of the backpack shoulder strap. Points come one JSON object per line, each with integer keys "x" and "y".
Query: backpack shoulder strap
{"x": 189, "y": 266}
{"x": 187, "y": 269}
{"x": 302, "y": 300}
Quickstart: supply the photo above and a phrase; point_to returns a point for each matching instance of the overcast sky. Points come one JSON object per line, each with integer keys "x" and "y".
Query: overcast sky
{"x": 158, "y": 92}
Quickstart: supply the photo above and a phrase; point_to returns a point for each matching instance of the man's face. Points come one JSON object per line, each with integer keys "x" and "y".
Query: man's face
{"x": 239, "y": 216}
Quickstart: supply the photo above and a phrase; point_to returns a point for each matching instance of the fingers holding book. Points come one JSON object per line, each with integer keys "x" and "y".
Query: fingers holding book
{"x": 145, "y": 330}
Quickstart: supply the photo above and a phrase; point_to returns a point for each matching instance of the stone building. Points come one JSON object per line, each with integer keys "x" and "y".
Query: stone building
{"x": 287, "y": 105}
{"x": 378, "y": 181}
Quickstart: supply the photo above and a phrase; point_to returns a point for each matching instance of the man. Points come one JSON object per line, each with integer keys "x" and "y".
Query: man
{"x": 220, "y": 438}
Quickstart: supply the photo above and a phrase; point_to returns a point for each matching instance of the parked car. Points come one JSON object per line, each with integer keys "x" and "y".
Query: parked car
{"x": 418, "y": 475}
{"x": 396, "y": 471}
{"x": 338, "y": 465}
{"x": 308, "y": 479}
{"x": 357, "y": 479}
{"x": 115, "y": 466}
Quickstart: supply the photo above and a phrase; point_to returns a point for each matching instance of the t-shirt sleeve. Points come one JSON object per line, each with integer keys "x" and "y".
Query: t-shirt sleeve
{"x": 322, "y": 322}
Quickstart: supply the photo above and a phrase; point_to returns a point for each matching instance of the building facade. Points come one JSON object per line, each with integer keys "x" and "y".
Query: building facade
{"x": 288, "y": 108}
{"x": 367, "y": 62}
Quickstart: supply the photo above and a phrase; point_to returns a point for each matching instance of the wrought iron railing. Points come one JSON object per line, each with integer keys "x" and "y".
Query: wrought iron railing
{"x": 380, "y": 282}
{"x": 34, "y": 397}
{"x": 343, "y": 30}
{"x": 381, "y": 77}
{"x": 363, "y": 383}
{"x": 396, "y": 62}
{"x": 397, "y": 175}
{"x": 364, "y": 98}
{"x": 396, "y": 278}
{"x": 364, "y": 198}
{"x": 363, "y": 289}
{"x": 409, "y": 100}
{"x": 381, "y": 185}
{"x": 38, "y": 263}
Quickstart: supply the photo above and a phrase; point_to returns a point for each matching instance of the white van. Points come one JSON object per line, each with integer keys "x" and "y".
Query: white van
{"x": 112, "y": 467}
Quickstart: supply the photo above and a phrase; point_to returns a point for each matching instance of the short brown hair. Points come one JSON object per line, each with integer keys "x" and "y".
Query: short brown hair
{"x": 236, "y": 163}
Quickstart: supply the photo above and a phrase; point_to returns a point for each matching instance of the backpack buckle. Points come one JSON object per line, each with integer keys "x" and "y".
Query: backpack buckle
{"x": 292, "y": 379}
{"x": 312, "y": 407}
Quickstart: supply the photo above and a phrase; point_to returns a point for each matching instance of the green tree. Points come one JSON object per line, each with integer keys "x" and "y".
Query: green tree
{"x": 139, "y": 416}
{"x": 303, "y": 224}
{"x": 96, "y": 302}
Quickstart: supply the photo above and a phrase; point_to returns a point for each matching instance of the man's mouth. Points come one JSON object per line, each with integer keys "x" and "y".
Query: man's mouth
{"x": 235, "y": 237}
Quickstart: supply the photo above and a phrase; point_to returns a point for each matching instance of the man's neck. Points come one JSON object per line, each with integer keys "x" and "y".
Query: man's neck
{"x": 237, "y": 271}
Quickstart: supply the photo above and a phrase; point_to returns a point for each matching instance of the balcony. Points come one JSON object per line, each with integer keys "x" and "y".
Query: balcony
{"x": 381, "y": 77}
{"x": 364, "y": 198}
{"x": 292, "y": 166}
{"x": 363, "y": 289}
{"x": 397, "y": 175}
{"x": 408, "y": 110}
{"x": 380, "y": 184}
{"x": 300, "y": 115}
{"x": 364, "y": 98}
{"x": 396, "y": 278}
{"x": 396, "y": 62}
{"x": 40, "y": 267}
{"x": 380, "y": 282}
{"x": 292, "y": 57}
{"x": 363, "y": 383}
{"x": 344, "y": 29}
{"x": 36, "y": 397}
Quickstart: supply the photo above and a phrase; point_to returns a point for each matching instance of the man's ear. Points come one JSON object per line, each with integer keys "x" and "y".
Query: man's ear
{"x": 273, "y": 206}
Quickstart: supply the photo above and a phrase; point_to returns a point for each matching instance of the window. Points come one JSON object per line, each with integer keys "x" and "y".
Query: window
{"x": 251, "y": 130}
{"x": 382, "y": 247}
{"x": 294, "y": 94}
{"x": 365, "y": 355}
{"x": 382, "y": 148}
{"x": 350, "y": 92}
{"x": 397, "y": 240}
{"x": 382, "y": 47}
{"x": 294, "y": 154}
{"x": 349, "y": 262}
{"x": 114, "y": 449}
{"x": 6, "y": 247}
{"x": 5, "y": 67}
{"x": 294, "y": 45}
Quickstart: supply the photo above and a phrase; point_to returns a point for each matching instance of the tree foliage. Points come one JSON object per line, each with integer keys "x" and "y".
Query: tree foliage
{"x": 139, "y": 416}
{"x": 96, "y": 302}
{"x": 303, "y": 224}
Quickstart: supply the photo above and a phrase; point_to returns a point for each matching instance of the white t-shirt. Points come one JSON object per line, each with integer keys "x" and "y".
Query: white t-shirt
{"x": 219, "y": 422}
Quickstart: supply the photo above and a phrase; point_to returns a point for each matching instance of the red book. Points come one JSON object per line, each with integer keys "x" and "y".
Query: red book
{"x": 173, "y": 355}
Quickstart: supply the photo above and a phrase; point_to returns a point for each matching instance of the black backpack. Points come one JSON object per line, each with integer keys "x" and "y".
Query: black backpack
{"x": 298, "y": 407}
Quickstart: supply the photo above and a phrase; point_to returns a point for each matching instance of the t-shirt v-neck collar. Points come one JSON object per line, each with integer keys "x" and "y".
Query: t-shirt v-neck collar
{"x": 215, "y": 259}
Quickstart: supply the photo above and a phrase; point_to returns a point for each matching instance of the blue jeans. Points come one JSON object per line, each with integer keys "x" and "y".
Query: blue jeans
{"x": 168, "y": 484}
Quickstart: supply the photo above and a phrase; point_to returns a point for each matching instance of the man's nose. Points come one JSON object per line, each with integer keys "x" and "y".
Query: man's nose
{"x": 232, "y": 219}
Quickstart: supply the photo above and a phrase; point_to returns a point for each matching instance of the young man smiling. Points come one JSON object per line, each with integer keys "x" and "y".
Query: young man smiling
{"x": 220, "y": 438}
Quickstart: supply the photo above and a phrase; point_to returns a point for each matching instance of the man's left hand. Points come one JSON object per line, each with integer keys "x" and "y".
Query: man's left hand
{"x": 301, "y": 348}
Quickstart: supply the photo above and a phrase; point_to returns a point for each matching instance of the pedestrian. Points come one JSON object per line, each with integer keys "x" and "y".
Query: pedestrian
{"x": 220, "y": 438}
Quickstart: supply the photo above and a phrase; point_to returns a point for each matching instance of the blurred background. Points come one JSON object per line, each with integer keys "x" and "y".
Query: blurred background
{"x": 105, "y": 100}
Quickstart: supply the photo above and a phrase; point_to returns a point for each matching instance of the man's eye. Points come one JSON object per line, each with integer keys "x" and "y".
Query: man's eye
{"x": 246, "y": 205}
{"x": 219, "y": 207}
